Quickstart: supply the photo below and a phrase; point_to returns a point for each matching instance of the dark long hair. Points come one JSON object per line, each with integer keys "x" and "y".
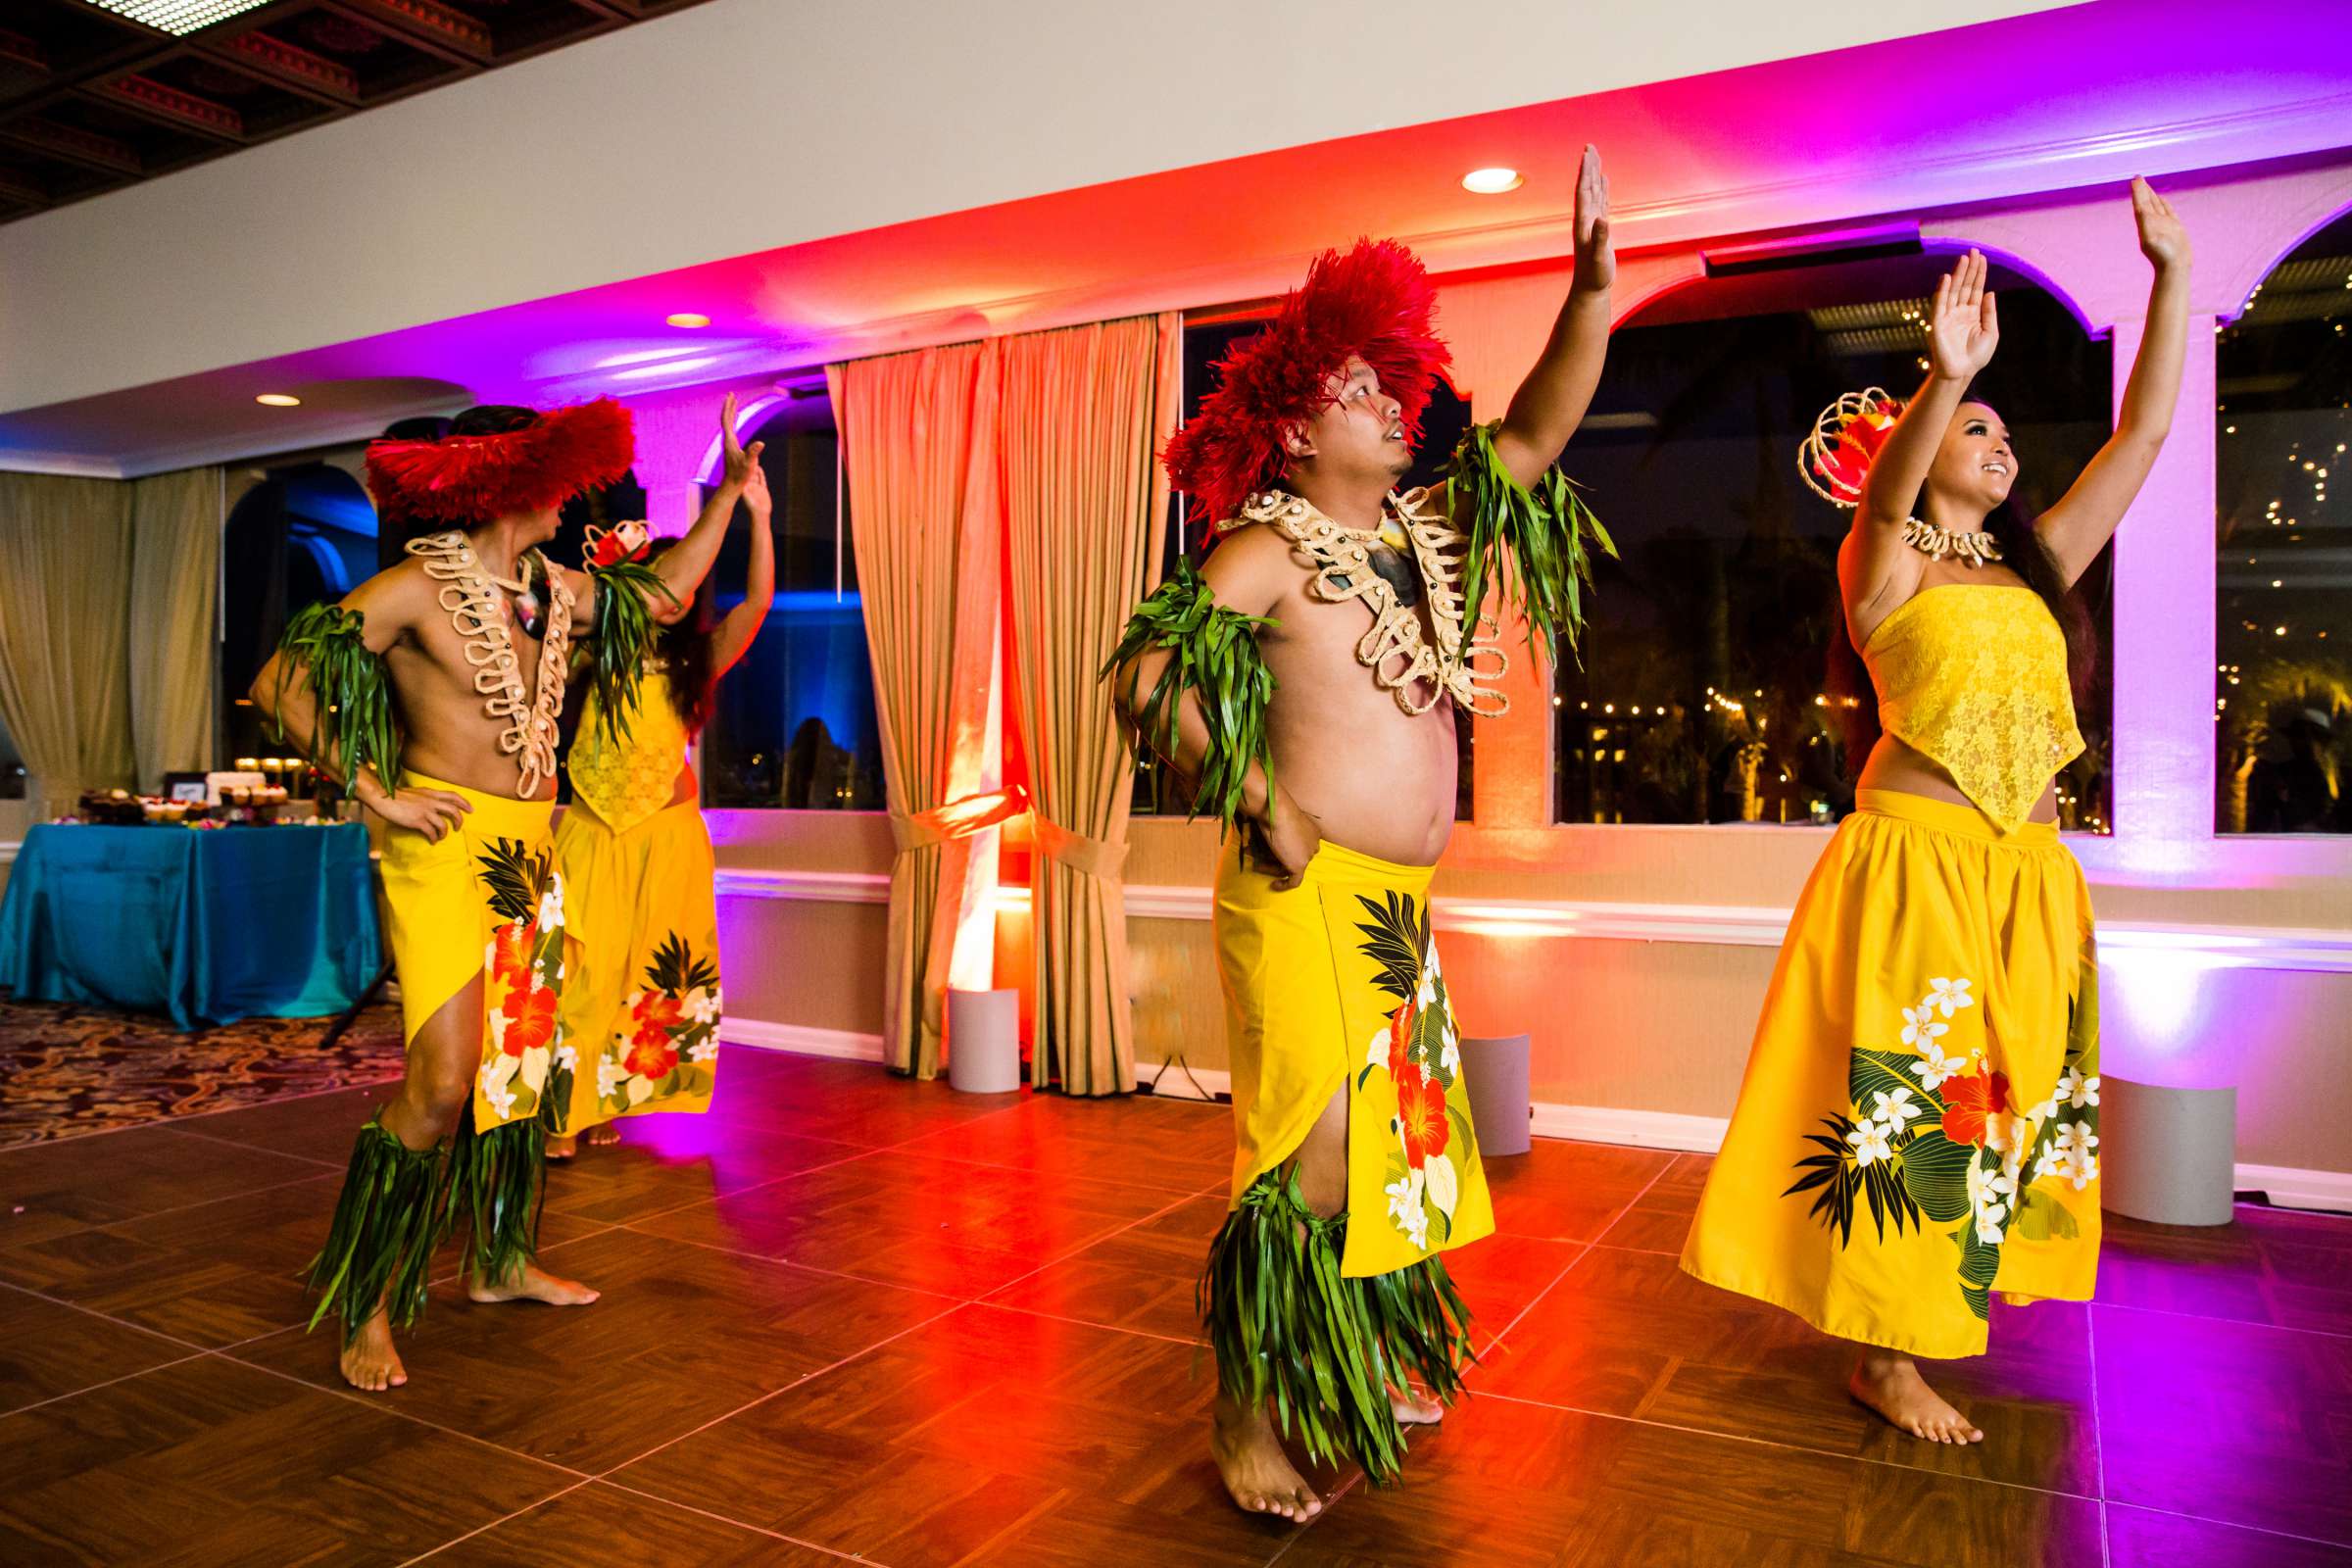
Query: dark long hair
{"x": 2024, "y": 553}
{"x": 493, "y": 419}
{"x": 684, "y": 647}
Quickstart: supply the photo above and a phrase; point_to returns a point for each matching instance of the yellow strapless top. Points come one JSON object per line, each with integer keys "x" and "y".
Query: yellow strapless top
{"x": 1975, "y": 679}
{"x": 628, "y": 781}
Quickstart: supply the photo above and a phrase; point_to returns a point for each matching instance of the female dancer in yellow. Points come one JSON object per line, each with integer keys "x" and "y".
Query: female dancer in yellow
{"x": 642, "y": 1001}
{"x": 1919, "y": 1123}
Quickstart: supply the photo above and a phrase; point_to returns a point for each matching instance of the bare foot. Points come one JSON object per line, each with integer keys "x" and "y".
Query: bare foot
{"x": 1256, "y": 1472}
{"x": 531, "y": 1284}
{"x": 1412, "y": 1410}
{"x": 368, "y": 1361}
{"x": 604, "y": 1131}
{"x": 562, "y": 1147}
{"x": 1890, "y": 1385}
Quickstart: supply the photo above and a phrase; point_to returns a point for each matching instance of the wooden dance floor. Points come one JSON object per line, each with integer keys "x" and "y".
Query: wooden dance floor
{"x": 849, "y": 1317}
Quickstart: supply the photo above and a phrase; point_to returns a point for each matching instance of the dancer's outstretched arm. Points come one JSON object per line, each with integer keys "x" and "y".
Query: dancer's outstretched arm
{"x": 1964, "y": 328}
{"x": 2079, "y": 526}
{"x": 683, "y": 567}
{"x": 1550, "y": 403}
{"x": 733, "y": 639}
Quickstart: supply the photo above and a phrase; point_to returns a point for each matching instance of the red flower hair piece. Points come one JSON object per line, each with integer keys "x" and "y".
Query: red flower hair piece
{"x": 1846, "y": 441}
{"x": 1373, "y": 302}
{"x": 623, "y": 541}
{"x": 474, "y": 478}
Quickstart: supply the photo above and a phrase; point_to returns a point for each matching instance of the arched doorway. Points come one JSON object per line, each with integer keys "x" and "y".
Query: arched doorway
{"x": 2282, "y": 694}
{"x": 1702, "y": 692}
{"x": 305, "y": 534}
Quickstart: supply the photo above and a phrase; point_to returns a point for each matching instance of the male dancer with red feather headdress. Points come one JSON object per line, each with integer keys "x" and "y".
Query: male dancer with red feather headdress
{"x": 432, "y": 694}
{"x": 1307, "y": 678}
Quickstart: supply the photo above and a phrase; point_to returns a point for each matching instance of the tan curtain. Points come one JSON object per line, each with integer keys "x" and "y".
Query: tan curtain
{"x": 917, "y": 433}
{"x": 64, "y": 609}
{"x": 1084, "y": 413}
{"x": 174, "y": 588}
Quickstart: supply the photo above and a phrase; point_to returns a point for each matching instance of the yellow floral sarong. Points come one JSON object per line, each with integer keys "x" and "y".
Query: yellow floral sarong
{"x": 1334, "y": 988}
{"x": 642, "y": 1001}
{"x": 1336, "y": 983}
{"x": 1919, "y": 1123}
{"x": 487, "y": 901}
{"x": 484, "y": 904}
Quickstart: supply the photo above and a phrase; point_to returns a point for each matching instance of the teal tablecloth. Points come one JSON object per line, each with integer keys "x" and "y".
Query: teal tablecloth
{"x": 207, "y": 926}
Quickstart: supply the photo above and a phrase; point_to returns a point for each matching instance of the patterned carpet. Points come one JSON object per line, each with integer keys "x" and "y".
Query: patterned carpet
{"x": 69, "y": 1071}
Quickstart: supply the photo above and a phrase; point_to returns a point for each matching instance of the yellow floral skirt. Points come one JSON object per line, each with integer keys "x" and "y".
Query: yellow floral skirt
{"x": 1919, "y": 1123}
{"x": 642, "y": 1001}
{"x": 486, "y": 901}
{"x": 1336, "y": 983}
{"x": 487, "y": 904}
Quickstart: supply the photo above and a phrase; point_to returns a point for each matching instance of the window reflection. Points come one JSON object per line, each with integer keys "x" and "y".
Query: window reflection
{"x": 1704, "y": 694}
{"x": 305, "y": 534}
{"x": 793, "y": 725}
{"x": 2282, "y": 697}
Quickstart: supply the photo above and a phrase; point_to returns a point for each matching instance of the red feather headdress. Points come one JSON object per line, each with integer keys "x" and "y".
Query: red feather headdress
{"x": 474, "y": 478}
{"x": 1374, "y": 302}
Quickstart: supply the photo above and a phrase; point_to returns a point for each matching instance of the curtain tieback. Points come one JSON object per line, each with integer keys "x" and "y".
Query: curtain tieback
{"x": 1095, "y": 857}
{"x": 956, "y": 819}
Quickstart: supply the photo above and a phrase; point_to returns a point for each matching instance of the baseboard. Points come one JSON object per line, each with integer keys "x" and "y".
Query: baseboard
{"x": 2289, "y": 1188}
{"x": 1635, "y": 1129}
{"x": 840, "y": 1044}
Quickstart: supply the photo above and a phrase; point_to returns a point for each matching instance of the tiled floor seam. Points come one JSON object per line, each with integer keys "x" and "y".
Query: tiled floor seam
{"x": 2099, "y": 1437}
{"x": 2236, "y": 1524}
{"x": 387, "y": 1406}
{"x": 325, "y": 1165}
{"x": 1785, "y": 1447}
{"x": 59, "y": 1398}
{"x": 743, "y": 1524}
{"x": 199, "y": 1115}
{"x": 459, "y": 1540}
{"x": 775, "y": 1392}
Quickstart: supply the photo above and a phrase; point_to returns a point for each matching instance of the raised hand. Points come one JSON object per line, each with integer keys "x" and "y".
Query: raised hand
{"x": 742, "y": 461}
{"x": 1595, "y": 256}
{"x": 2163, "y": 237}
{"x": 1962, "y": 327}
{"x": 755, "y": 485}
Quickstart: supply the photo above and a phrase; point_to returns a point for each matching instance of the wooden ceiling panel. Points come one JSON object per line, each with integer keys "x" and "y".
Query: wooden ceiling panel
{"x": 90, "y": 100}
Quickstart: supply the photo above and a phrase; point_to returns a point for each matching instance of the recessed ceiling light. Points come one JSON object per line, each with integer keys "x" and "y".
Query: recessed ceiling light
{"x": 179, "y": 18}
{"x": 689, "y": 319}
{"x": 1491, "y": 182}
{"x": 279, "y": 400}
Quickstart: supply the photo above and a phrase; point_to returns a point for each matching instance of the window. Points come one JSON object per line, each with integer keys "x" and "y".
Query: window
{"x": 1704, "y": 692}
{"x": 793, "y": 725}
{"x": 12, "y": 768}
{"x": 2282, "y": 697}
{"x": 304, "y": 535}
{"x": 1158, "y": 791}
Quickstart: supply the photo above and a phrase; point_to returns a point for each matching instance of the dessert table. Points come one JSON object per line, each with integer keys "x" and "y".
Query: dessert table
{"x": 205, "y": 926}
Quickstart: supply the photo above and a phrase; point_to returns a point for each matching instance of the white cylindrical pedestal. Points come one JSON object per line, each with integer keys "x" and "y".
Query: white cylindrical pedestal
{"x": 984, "y": 1042}
{"x": 1495, "y": 1073}
{"x": 2169, "y": 1155}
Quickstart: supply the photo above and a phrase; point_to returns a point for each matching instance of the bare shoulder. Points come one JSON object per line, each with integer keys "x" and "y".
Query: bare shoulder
{"x": 392, "y": 601}
{"x": 1251, "y": 570}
